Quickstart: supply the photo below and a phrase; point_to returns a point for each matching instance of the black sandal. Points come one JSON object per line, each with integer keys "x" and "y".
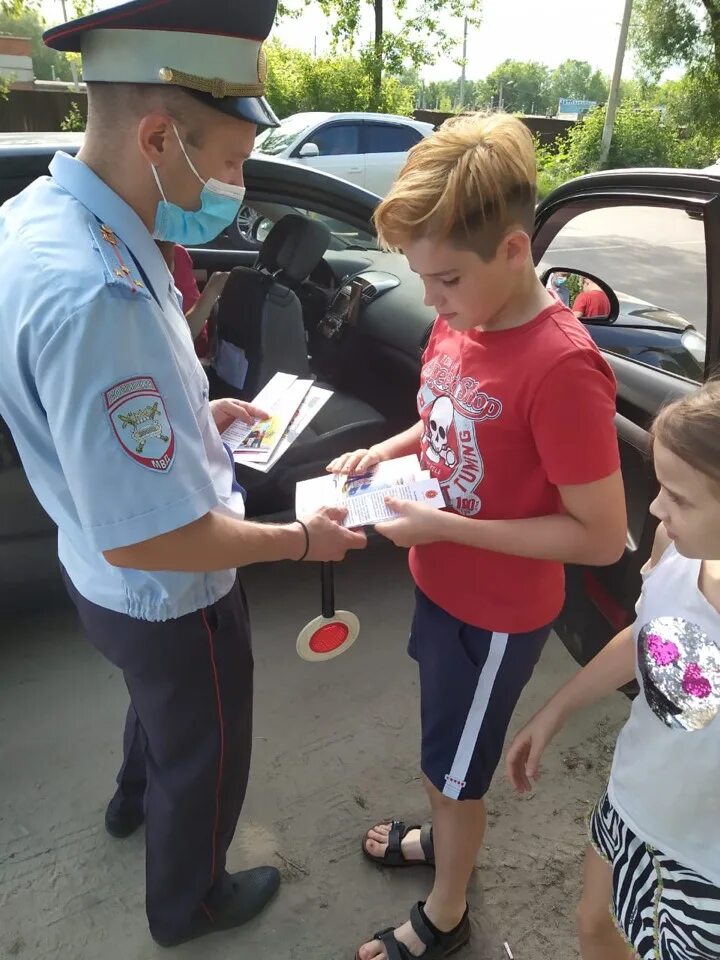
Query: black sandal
{"x": 438, "y": 945}
{"x": 393, "y": 856}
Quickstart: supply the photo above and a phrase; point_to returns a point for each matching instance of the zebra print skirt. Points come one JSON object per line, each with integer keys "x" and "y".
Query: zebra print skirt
{"x": 663, "y": 910}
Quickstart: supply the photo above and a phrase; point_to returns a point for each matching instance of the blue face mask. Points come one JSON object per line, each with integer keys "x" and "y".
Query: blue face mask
{"x": 560, "y": 281}
{"x": 219, "y": 205}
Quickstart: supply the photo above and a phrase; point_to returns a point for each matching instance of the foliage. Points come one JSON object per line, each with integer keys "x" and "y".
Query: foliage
{"x": 421, "y": 35}
{"x": 73, "y": 121}
{"x": 643, "y": 137}
{"x": 521, "y": 86}
{"x": 668, "y": 33}
{"x": 28, "y": 23}
{"x": 526, "y": 87}
{"x": 576, "y": 79}
{"x": 15, "y": 8}
{"x": 297, "y": 82}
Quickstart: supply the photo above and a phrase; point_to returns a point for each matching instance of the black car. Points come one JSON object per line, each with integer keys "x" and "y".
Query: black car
{"x": 353, "y": 316}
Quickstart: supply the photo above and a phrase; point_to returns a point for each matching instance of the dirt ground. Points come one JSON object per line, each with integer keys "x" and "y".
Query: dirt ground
{"x": 335, "y": 750}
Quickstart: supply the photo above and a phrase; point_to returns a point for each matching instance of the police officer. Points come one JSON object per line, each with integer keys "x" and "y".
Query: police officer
{"x": 109, "y": 409}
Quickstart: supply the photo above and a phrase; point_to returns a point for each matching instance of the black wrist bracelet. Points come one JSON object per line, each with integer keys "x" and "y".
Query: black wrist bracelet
{"x": 307, "y": 540}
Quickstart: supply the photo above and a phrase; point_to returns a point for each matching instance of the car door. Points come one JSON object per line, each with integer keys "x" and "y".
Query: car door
{"x": 655, "y": 236}
{"x": 339, "y": 146}
{"x": 386, "y": 146}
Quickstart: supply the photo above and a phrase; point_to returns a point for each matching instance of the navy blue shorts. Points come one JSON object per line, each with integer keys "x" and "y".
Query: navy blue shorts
{"x": 470, "y": 683}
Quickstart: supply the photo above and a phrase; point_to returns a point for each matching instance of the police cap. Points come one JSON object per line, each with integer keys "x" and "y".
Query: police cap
{"x": 211, "y": 48}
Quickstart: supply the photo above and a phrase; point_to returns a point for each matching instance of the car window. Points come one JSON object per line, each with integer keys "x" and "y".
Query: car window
{"x": 654, "y": 259}
{"x": 276, "y": 139}
{"x": 336, "y": 139}
{"x": 344, "y": 235}
{"x": 256, "y": 219}
{"x": 390, "y": 138}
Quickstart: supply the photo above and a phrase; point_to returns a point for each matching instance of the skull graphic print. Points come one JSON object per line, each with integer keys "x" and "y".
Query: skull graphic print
{"x": 451, "y": 408}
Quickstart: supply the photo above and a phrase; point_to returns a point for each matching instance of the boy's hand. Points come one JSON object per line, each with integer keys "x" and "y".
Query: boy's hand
{"x": 415, "y": 525}
{"x": 522, "y": 764}
{"x": 359, "y": 461}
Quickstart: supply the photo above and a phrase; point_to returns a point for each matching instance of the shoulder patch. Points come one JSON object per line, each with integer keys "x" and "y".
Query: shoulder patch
{"x": 120, "y": 270}
{"x": 140, "y": 422}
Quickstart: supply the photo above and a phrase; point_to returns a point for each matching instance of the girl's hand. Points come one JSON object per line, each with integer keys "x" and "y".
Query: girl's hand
{"x": 359, "y": 461}
{"x": 226, "y": 411}
{"x": 415, "y": 525}
{"x": 522, "y": 764}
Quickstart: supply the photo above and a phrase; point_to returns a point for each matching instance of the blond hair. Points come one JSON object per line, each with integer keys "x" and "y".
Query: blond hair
{"x": 690, "y": 428}
{"x": 469, "y": 183}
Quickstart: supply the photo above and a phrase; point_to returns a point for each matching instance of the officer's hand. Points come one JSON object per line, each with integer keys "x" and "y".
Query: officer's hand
{"x": 227, "y": 411}
{"x": 328, "y": 539}
{"x": 359, "y": 461}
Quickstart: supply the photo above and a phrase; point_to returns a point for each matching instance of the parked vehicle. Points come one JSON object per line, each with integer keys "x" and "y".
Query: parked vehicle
{"x": 366, "y": 148}
{"x": 353, "y": 315}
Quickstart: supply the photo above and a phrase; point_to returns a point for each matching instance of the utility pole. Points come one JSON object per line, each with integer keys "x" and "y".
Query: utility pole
{"x": 73, "y": 65}
{"x": 464, "y": 59}
{"x": 614, "y": 96}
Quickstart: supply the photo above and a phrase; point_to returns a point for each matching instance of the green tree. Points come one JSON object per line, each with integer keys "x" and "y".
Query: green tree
{"x": 576, "y": 79}
{"x": 642, "y": 138}
{"x": 297, "y": 82}
{"x": 28, "y": 23}
{"x": 521, "y": 86}
{"x": 668, "y": 33}
{"x": 686, "y": 33}
{"x": 419, "y": 39}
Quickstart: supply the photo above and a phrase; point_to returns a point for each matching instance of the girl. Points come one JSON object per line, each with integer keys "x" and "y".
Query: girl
{"x": 654, "y": 852}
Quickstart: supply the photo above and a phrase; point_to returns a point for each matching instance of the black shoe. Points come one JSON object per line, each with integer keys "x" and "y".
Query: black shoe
{"x": 122, "y": 821}
{"x": 252, "y": 890}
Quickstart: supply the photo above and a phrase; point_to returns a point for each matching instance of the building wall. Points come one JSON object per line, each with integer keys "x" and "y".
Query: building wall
{"x": 16, "y": 68}
{"x": 16, "y": 59}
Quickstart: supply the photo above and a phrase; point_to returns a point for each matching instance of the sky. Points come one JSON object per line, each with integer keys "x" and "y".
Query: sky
{"x": 549, "y": 31}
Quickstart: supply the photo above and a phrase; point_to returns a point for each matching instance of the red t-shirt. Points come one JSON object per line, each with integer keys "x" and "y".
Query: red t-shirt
{"x": 187, "y": 285}
{"x": 592, "y": 303}
{"x": 509, "y": 417}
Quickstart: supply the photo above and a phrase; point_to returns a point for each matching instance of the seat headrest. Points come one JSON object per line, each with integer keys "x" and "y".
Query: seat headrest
{"x": 294, "y": 246}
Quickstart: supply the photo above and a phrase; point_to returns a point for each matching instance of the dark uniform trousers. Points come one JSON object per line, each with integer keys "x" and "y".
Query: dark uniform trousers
{"x": 187, "y": 745}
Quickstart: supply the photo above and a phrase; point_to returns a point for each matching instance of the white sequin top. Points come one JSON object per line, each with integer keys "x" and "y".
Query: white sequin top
{"x": 665, "y": 779}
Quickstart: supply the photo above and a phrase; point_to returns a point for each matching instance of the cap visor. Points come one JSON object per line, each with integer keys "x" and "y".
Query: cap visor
{"x": 253, "y": 109}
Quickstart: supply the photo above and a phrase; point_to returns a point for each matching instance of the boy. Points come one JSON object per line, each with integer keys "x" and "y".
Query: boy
{"x": 517, "y": 423}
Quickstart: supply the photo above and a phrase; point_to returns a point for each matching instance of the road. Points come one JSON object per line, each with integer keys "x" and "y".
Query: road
{"x": 335, "y": 750}
{"x": 655, "y": 254}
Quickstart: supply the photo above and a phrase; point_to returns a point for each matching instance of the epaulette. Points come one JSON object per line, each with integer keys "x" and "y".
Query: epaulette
{"x": 120, "y": 270}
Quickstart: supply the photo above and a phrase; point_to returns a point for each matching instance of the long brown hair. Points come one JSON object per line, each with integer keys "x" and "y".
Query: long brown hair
{"x": 690, "y": 428}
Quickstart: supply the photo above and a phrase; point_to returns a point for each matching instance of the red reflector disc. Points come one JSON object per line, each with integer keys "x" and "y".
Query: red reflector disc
{"x": 328, "y": 637}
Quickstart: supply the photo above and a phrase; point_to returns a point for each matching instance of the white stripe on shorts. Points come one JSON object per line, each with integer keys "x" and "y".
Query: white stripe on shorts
{"x": 455, "y": 780}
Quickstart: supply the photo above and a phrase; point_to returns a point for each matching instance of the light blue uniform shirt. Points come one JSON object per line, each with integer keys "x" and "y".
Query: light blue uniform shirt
{"x": 103, "y": 392}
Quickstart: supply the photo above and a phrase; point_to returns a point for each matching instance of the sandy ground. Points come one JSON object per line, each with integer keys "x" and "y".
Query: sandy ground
{"x": 335, "y": 750}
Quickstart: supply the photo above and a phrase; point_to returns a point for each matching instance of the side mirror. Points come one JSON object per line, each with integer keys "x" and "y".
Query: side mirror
{"x": 309, "y": 149}
{"x": 583, "y": 293}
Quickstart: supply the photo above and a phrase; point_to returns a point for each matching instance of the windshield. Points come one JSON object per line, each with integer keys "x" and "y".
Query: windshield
{"x": 276, "y": 139}
{"x": 344, "y": 235}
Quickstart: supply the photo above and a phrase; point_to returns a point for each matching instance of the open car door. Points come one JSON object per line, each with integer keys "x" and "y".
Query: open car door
{"x": 653, "y": 237}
